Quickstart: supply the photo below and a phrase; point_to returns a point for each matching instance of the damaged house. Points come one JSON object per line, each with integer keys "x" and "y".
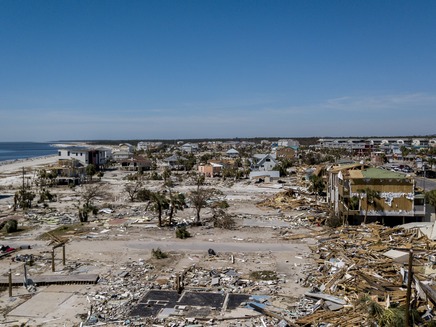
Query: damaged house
{"x": 359, "y": 194}
{"x": 136, "y": 163}
{"x": 262, "y": 165}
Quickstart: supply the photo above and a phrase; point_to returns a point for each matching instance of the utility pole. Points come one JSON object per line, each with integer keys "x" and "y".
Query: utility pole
{"x": 423, "y": 166}
{"x": 409, "y": 288}
{"x": 10, "y": 282}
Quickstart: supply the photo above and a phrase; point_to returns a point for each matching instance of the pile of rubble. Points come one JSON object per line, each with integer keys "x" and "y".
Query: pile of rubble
{"x": 123, "y": 290}
{"x": 365, "y": 267}
{"x": 288, "y": 200}
{"x": 312, "y": 211}
{"x": 294, "y": 200}
{"x": 120, "y": 289}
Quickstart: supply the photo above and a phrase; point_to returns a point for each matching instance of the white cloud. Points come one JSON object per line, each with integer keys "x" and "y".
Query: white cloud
{"x": 393, "y": 101}
{"x": 399, "y": 114}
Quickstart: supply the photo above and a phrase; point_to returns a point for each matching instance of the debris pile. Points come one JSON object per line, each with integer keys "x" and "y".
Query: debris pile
{"x": 120, "y": 289}
{"x": 288, "y": 199}
{"x": 124, "y": 290}
{"x": 362, "y": 267}
{"x": 312, "y": 212}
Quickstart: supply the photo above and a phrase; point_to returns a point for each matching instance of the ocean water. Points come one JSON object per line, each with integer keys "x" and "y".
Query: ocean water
{"x": 23, "y": 150}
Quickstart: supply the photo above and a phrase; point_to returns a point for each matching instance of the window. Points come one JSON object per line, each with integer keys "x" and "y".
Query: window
{"x": 59, "y": 152}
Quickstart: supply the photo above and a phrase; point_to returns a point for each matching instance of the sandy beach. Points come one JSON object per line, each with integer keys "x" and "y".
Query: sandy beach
{"x": 12, "y": 166}
{"x": 10, "y": 171}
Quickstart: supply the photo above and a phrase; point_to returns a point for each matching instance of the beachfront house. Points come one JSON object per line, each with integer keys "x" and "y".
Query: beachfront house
{"x": 85, "y": 155}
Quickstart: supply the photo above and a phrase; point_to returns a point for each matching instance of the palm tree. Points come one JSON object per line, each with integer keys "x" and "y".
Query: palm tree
{"x": 158, "y": 199}
{"x": 160, "y": 202}
{"x": 404, "y": 151}
{"x": 176, "y": 202}
{"x": 352, "y": 203}
{"x": 430, "y": 198}
{"x": 431, "y": 162}
{"x": 370, "y": 196}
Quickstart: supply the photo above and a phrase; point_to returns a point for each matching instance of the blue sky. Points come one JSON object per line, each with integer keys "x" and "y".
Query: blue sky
{"x": 192, "y": 69}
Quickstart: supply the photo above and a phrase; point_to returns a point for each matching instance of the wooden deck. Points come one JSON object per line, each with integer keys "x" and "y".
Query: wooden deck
{"x": 42, "y": 280}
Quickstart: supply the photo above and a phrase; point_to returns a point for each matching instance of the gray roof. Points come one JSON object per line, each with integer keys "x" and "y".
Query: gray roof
{"x": 174, "y": 158}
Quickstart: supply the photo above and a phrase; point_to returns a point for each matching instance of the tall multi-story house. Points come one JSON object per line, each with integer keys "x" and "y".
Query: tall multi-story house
{"x": 395, "y": 201}
{"x": 84, "y": 155}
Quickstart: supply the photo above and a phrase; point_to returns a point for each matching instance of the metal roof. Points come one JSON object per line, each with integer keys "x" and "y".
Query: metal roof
{"x": 382, "y": 174}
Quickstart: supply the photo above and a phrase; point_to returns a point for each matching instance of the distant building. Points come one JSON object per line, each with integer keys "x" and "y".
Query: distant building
{"x": 288, "y": 143}
{"x": 121, "y": 155}
{"x": 232, "y": 153}
{"x": 125, "y": 147}
{"x": 136, "y": 163}
{"x": 148, "y": 145}
{"x": 189, "y": 147}
{"x": 210, "y": 169}
{"x": 285, "y": 153}
{"x": 262, "y": 162}
{"x": 122, "y": 152}
{"x": 174, "y": 162}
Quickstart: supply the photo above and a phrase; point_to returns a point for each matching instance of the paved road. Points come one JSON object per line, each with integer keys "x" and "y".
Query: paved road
{"x": 218, "y": 246}
{"x": 430, "y": 184}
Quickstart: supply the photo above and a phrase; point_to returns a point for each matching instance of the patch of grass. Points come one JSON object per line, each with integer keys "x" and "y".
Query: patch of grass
{"x": 263, "y": 275}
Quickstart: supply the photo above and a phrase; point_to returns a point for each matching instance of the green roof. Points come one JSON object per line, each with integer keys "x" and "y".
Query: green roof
{"x": 382, "y": 174}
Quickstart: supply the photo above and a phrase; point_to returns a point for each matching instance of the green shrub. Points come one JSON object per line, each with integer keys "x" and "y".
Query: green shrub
{"x": 158, "y": 254}
{"x": 182, "y": 232}
{"x": 222, "y": 219}
{"x": 11, "y": 226}
{"x": 220, "y": 204}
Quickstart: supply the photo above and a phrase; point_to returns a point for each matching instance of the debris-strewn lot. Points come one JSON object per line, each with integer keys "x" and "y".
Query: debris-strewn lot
{"x": 278, "y": 266}
{"x": 145, "y": 273}
{"x": 360, "y": 277}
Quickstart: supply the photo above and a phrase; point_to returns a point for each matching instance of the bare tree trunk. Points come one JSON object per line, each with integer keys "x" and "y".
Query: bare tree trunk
{"x": 159, "y": 209}
{"x": 171, "y": 213}
{"x": 198, "y": 216}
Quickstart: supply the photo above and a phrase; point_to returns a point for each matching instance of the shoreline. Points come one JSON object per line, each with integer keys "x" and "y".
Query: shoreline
{"x": 10, "y": 166}
{"x": 13, "y": 161}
